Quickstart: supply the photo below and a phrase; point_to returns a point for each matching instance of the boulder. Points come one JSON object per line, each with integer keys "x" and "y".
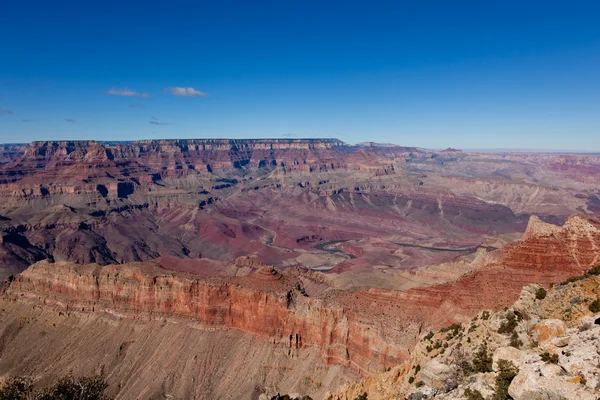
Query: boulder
{"x": 561, "y": 341}
{"x": 507, "y": 353}
{"x": 526, "y": 301}
{"x": 551, "y": 371}
{"x": 435, "y": 374}
{"x": 547, "y": 329}
{"x": 531, "y": 384}
{"x": 585, "y": 323}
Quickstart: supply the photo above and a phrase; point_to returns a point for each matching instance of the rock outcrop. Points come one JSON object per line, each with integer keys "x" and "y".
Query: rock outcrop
{"x": 266, "y": 303}
{"x": 552, "y": 353}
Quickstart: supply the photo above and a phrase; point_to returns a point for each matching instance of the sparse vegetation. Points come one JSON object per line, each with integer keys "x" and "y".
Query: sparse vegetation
{"x": 411, "y": 379}
{"x": 515, "y": 341}
{"x": 482, "y": 362}
{"x": 473, "y": 394}
{"x": 541, "y": 293}
{"x": 591, "y": 272}
{"x": 594, "y": 306}
{"x": 506, "y": 373}
{"x": 16, "y": 388}
{"x": 363, "y": 396}
{"x": 485, "y": 315}
{"x": 549, "y": 358}
{"x": 454, "y": 329}
{"x": 428, "y": 336}
{"x": 508, "y": 326}
{"x": 65, "y": 388}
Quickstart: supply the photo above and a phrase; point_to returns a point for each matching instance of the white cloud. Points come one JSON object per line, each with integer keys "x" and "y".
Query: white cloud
{"x": 70, "y": 120}
{"x": 5, "y": 111}
{"x": 126, "y": 92}
{"x": 185, "y": 92}
{"x": 158, "y": 123}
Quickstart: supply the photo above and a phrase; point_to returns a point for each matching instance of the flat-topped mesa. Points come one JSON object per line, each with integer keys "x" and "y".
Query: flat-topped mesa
{"x": 239, "y": 144}
{"x": 81, "y": 165}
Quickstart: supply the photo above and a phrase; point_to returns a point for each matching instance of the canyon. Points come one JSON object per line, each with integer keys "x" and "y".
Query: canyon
{"x": 295, "y": 310}
{"x": 215, "y": 268}
{"x": 279, "y": 200}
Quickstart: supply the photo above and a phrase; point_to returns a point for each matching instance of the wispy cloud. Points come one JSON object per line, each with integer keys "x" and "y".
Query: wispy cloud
{"x": 158, "y": 123}
{"x": 70, "y": 120}
{"x": 137, "y": 105}
{"x": 185, "y": 92}
{"x": 28, "y": 120}
{"x": 127, "y": 93}
{"x": 5, "y": 111}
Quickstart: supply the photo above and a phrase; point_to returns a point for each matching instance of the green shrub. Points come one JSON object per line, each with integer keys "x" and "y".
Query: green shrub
{"x": 515, "y": 341}
{"x": 509, "y": 325}
{"x": 467, "y": 368}
{"x": 65, "y": 388}
{"x": 16, "y": 388}
{"x": 363, "y": 396}
{"x": 485, "y": 315}
{"x": 482, "y": 361}
{"x": 593, "y": 271}
{"x": 453, "y": 330}
{"x": 594, "y": 306}
{"x": 549, "y": 358}
{"x": 428, "y": 336}
{"x": 69, "y": 387}
{"x": 473, "y": 394}
{"x": 506, "y": 373}
{"x": 541, "y": 293}
{"x": 590, "y": 272}
{"x": 280, "y": 397}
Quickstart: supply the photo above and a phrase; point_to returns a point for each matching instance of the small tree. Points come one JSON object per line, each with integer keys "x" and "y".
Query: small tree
{"x": 482, "y": 362}
{"x": 506, "y": 373}
{"x": 473, "y": 394}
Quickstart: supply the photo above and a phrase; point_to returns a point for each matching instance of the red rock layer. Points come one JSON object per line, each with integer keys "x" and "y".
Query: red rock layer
{"x": 267, "y": 303}
{"x": 367, "y": 330}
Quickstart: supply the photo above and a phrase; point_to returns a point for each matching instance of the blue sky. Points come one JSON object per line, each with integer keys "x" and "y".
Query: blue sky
{"x": 466, "y": 74}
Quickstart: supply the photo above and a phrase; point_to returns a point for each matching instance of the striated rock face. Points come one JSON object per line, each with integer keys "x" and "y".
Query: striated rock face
{"x": 283, "y": 201}
{"x": 367, "y": 330}
{"x": 472, "y": 357}
{"x": 266, "y": 303}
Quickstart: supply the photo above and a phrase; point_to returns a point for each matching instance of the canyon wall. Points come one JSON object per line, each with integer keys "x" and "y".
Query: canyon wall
{"x": 268, "y": 303}
{"x": 366, "y": 330}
